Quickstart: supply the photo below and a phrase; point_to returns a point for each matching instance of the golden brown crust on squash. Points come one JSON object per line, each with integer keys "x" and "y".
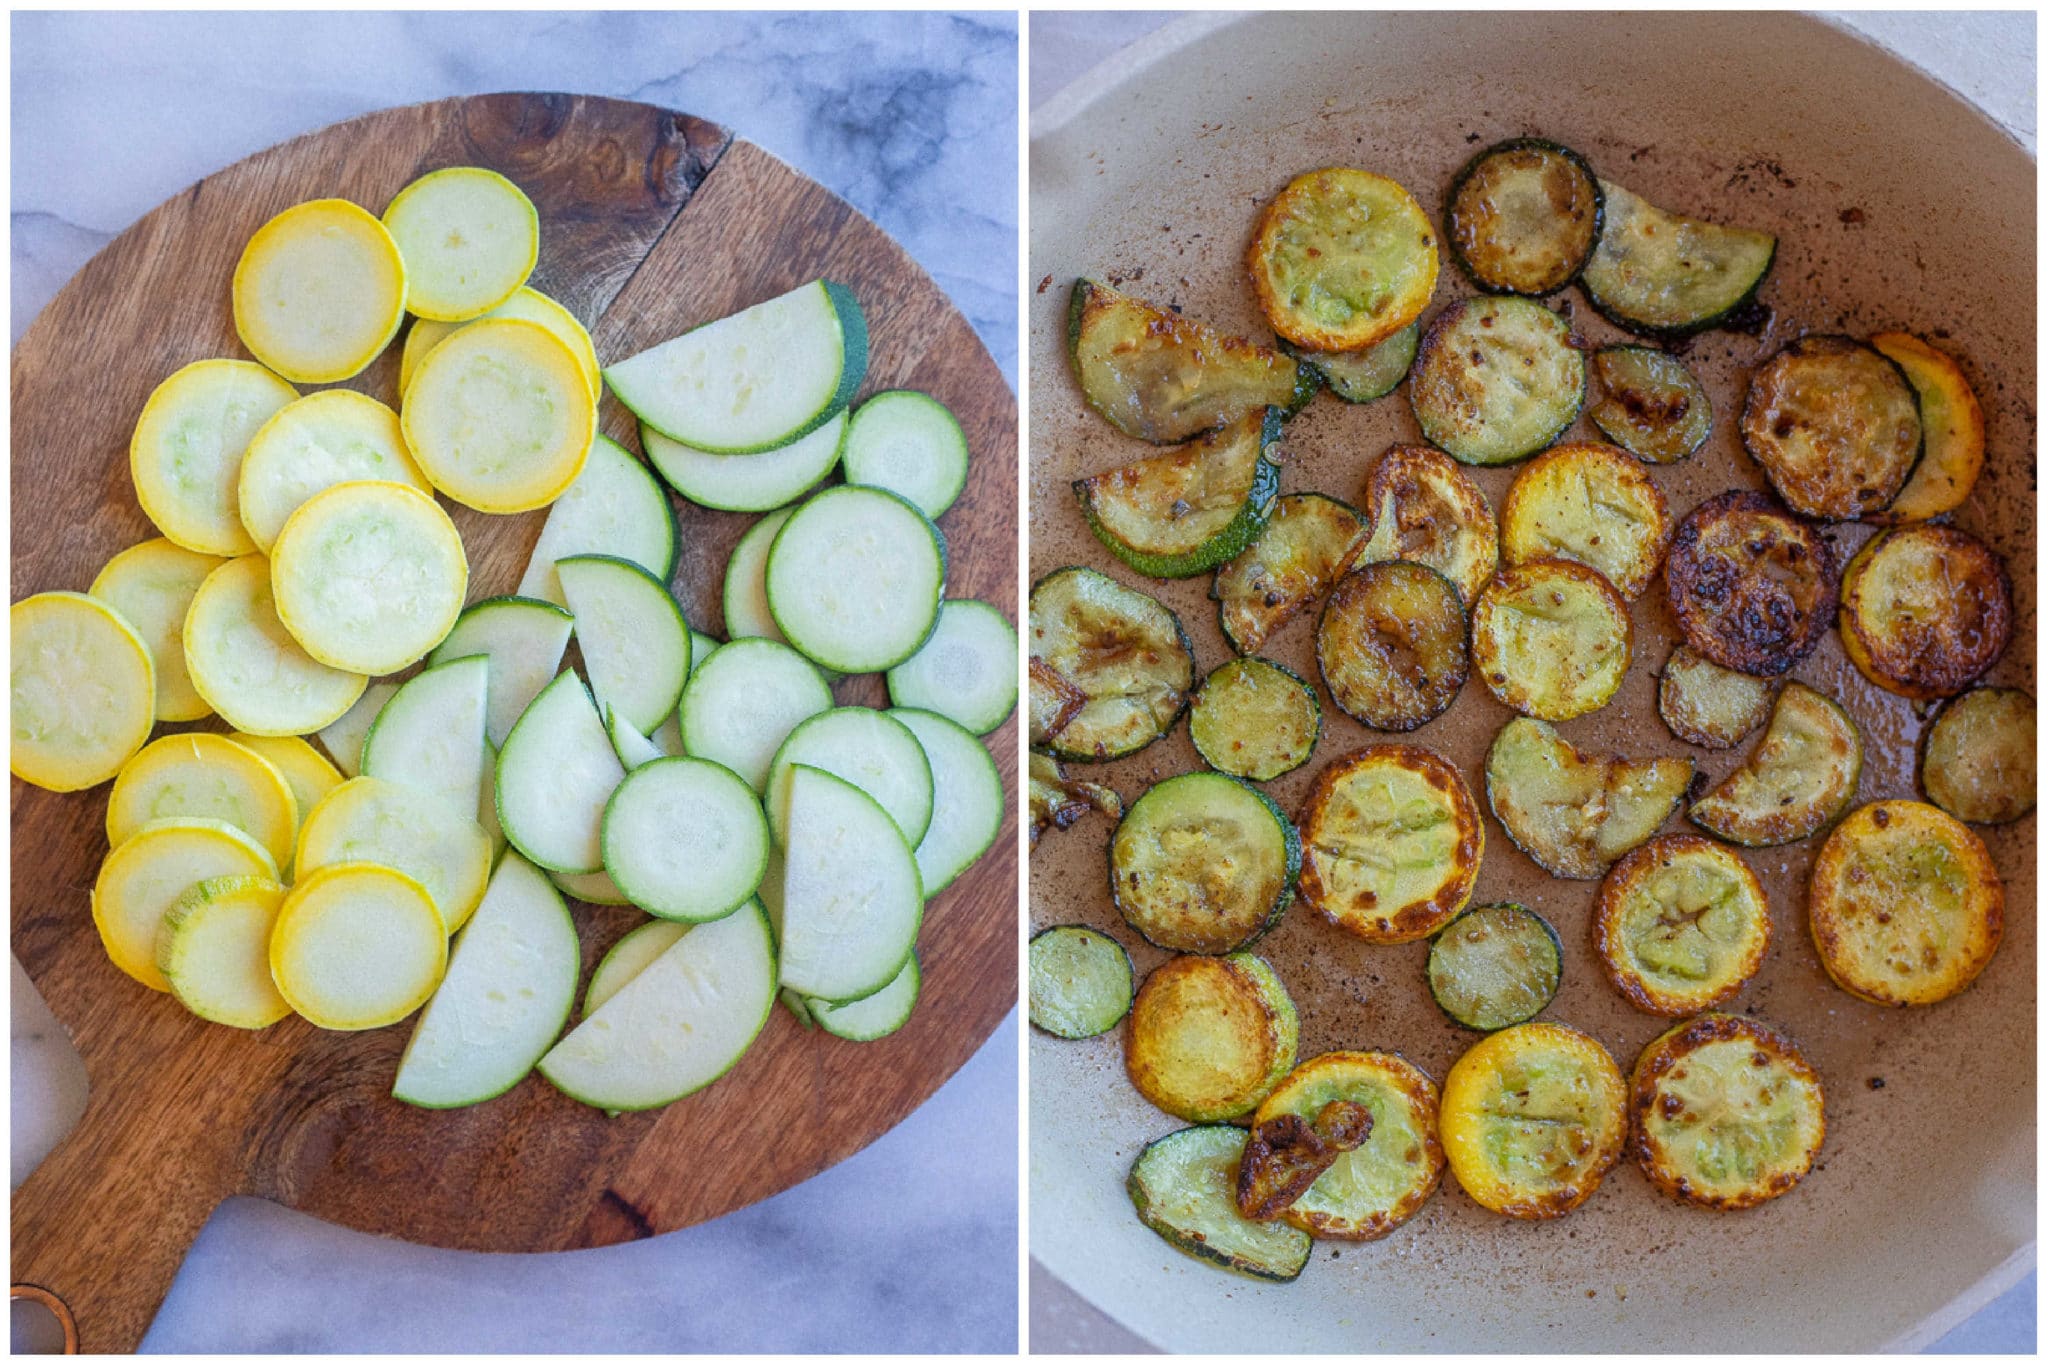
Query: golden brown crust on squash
{"x": 1681, "y": 925}
{"x": 1592, "y": 504}
{"x": 1370, "y": 863}
{"x": 1925, "y": 610}
{"x": 1753, "y": 588}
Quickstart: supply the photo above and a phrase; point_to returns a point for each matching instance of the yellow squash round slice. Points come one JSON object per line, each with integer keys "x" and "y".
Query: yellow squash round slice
{"x": 1952, "y": 425}
{"x": 1533, "y": 1119}
{"x": 186, "y": 453}
{"x": 1379, "y": 1185}
{"x": 1209, "y": 1037}
{"x": 1391, "y": 841}
{"x": 151, "y": 586}
{"x": 326, "y": 438}
{"x": 205, "y": 777}
{"x": 1592, "y": 504}
{"x": 1925, "y": 610}
{"x": 319, "y": 291}
{"x": 357, "y": 947}
{"x": 246, "y": 664}
{"x": 526, "y": 305}
{"x": 214, "y": 949}
{"x": 469, "y": 238}
{"x": 368, "y": 820}
{"x": 81, "y": 691}
{"x": 369, "y": 576}
{"x": 500, "y": 416}
{"x": 1681, "y": 925}
{"x": 305, "y": 770}
{"x": 146, "y": 874}
{"x": 1551, "y": 638}
{"x": 1342, "y": 259}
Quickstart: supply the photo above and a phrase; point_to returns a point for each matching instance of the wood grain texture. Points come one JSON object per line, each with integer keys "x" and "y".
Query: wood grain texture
{"x": 651, "y": 222}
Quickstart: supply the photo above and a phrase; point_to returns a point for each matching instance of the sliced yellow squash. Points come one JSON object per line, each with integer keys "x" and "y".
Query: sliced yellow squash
{"x": 1551, "y": 638}
{"x": 423, "y": 336}
{"x": 1379, "y": 1185}
{"x": 357, "y": 947}
{"x": 369, "y": 576}
{"x": 319, "y": 291}
{"x": 1951, "y": 423}
{"x": 146, "y": 874}
{"x": 1342, "y": 259}
{"x": 526, "y": 305}
{"x": 1727, "y": 1113}
{"x": 81, "y": 691}
{"x": 368, "y": 820}
{"x": 1592, "y": 504}
{"x": 247, "y": 665}
{"x": 186, "y": 453}
{"x": 326, "y": 438}
{"x": 1210, "y": 1036}
{"x": 1390, "y": 843}
{"x": 469, "y": 238}
{"x": 205, "y": 777}
{"x": 151, "y": 586}
{"x": 214, "y": 949}
{"x": 500, "y": 416}
{"x": 304, "y": 769}
{"x": 1533, "y": 1119}
{"x": 1681, "y": 925}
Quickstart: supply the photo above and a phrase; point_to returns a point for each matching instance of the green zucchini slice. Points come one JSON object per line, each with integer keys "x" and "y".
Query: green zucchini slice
{"x": 1380, "y": 1184}
{"x": 1495, "y": 966}
{"x": 1681, "y": 924}
{"x": 1591, "y": 504}
{"x": 1977, "y": 762}
{"x": 1951, "y": 423}
{"x": 1210, "y": 1036}
{"x": 1925, "y": 610}
{"x": 1523, "y": 217}
{"x": 1424, "y": 507}
{"x": 1393, "y": 842}
{"x": 1164, "y": 378}
{"x": 1255, "y": 719}
{"x": 1727, "y": 1113}
{"x": 1571, "y": 812}
{"x": 1496, "y": 380}
{"x": 1203, "y": 863}
{"x": 872, "y": 1017}
{"x": 1799, "y": 779}
{"x": 1650, "y": 404}
{"x": 1110, "y": 667}
{"x": 1081, "y": 981}
{"x": 1391, "y": 645}
{"x": 1184, "y": 1187}
{"x": 1752, "y": 587}
{"x": 1662, "y": 275}
{"x": 1341, "y": 259}
{"x": 1551, "y": 638}
{"x": 1835, "y": 426}
{"x": 1186, "y": 511}
{"x": 1305, "y": 547}
{"x": 1364, "y": 375}
{"x": 1057, "y": 800}
{"x": 1708, "y": 705}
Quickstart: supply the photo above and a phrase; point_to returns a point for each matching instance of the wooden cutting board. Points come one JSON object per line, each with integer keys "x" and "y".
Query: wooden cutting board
{"x": 651, "y": 222}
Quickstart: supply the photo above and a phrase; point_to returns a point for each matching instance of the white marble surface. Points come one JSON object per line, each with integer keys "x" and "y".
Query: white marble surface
{"x": 1988, "y": 58}
{"x": 909, "y": 1246}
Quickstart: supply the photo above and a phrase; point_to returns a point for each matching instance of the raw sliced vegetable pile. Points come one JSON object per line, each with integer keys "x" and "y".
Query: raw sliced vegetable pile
{"x": 1422, "y": 590}
{"x": 779, "y": 842}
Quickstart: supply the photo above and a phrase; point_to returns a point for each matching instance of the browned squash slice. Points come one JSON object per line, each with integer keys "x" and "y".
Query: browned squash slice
{"x": 1303, "y": 550}
{"x": 1570, "y": 811}
{"x": 1925, "y": 610}
{"x": 1591, "y": 504}
{"x": 1121, "y": 651}
{"x": 1424, "y": 507}
{"x": 1952, "y": 424}
{"x": 1753, "y": 587}
{"x": 1726, "y": 1113}
{"x": 1551, "y": 638}
{"x": 1391, "y": 843}
{"x": 1708, "y": 705}
{"x": 1210, "y": 1036}
{"x": 1681, "y": 925}
{"x": 1835, "y": 425}
{"x": 1391, "y": 645}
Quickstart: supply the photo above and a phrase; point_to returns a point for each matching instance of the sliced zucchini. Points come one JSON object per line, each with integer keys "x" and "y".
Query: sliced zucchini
{"x": 368, "y": 577}
{"x": 1573, "y": 813}
{"x": 1384, "y": 1181}
{"x": 204, "y": 777}
{"x": 967, "y": 799}
{"x": 1926, "y": 610}
{"x": 185, "y": 457}
{"x": 1391, "y": 644}
{"x": 1802, "y": 775}
{"x": 851, "y": 896}
{"x": 1835, "y": 426}
{"x": 146, "y": 874}
{"x": 911, "y": 444}
{"x": 430, "y": 735}
{"x": 1303, "y": 550}
{"x": 1551, "y": 638}
{"x": 1392, "y": 843}
{"x": 1121, "y": 655}
{"x": 368, "y": 820}
{"x": 1650, "y": 405}
{"x": 966, "y": 671}
{"x": 1905, "y": 905}
{"x": 743, "y": 597}
{"x": 855, "y": 578}
{"x": 871, "y": 749}
{"x": 1184, "y": 1187}
{"x": 1057, "y": 800}
{"x": 635, "y": 643}
{"x": 633, "y": 748}
{"x": 1496, "y": 379}
{"x": 1977, "y": 762}
{"x": 555, "y": 773}
{"x": 1753, "y": 588}
{"x": 1708, "y": 705}
{"x": 615, "y": 507}
{"x": 1367, "y": 374}
{"x": 1341, "y": 259}
{"x": 308, "y": 446}
{"x": 1656, "y": 273}
{"x": 1255, "y": 719}
{"x": 81, "y": 691}
{"x": 1951, "y": 424}
{"x": 1681, "y": 925}
{"x": 1425, "y": 508}
{"x": 1593, "y": 505}
{"x": 684, "y": 839}
{"x": 249, "y": 668}
{"x": 214, "y": 951}
{"x": 1211, "y": 1036}
{"x": 1495, "y": 966}
{"x": 1080, "y": 981}
{"x": 1533, "y": 1119}
{"x": 1203, "y": 863}
{"x": 344, "y": 737}
{"x": 629, "y": 957}
{"x": 469, "y": 238}
{"x": 759, "y": 482}
{"x": 524, "y": 639}
{"x": 1523, "y": 217}
{"x": 357, "y": 946}
{"x": 1186, "y": 511}
{"x": 319, "y": 292}
{"x": 875, "y": 1016}
{"x": 1165, "y": 378}
{"x": 1727, "y": 1113}
{"x": 500, "y": 417}
{"x": 743, "y": 701}
{"x": 150, "y": 586}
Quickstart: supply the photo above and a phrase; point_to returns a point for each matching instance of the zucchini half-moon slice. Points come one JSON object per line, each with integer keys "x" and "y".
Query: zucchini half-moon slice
{"x": 1726, "y": 1113}
{"x": 1533, "y": 1119}
{"x": 1925, "y": 610}
{"x": 1951, "y": 423}
{"x": 1551, "y": 638}
{"x": 1203, "y": 863}
{"x": 1752, "y": 587}
{"x": 1210, "y": 1036}
{"x": 1659, "y": 274}
{"x": 1573, "y": 813}
{"x": 1384, "y": 1181}
{"x": 1799, "y": 779}
{"x": 1391, "y": 843}
{"x": 1184, "y": 1187}
{"x": 1593, "y": 505}
{"x": 1523, "y": 217}
{"x": 1165, "y": 378}
{"x": 1681, "y": 925}
{"x": 1111, "y": 668}
{"x": 1496, "y": 379}
{"x": 1305, "y": 547}
{"x": 1650, "y": 404}
{"x": 1708, "y": 705}
{"x": 1365, "y": 375}
{"x": 1424, "y": 507}
{"x": 1977, "y": 762}
{"x": 1342, "y": 259}
{"x": 1835, "y": 426}
{"x": 1184, "y": 512}
{"x": 1391, "y": 645}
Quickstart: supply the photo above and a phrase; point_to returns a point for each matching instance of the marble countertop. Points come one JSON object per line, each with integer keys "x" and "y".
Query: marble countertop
{"x": 1989, "y": 59}
{"x": 912, "y": 1244}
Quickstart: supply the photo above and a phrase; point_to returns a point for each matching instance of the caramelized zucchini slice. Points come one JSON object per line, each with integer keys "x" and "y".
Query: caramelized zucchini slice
{"x": 1424, "y": 507}
{"x": 1057, "y": 800}
{"x": 1799, "y": 779}
{"x": 1364, "y": 375}
{"x": 1708, "y": 705}
{"x": 1905, "y": 905}
{"x": 1124, "y": 653}
{"x": 1305, "y": 546}
{"x": 1593, "y": 505}
{"x": 1495, "y": 966}
{"x": 1384, "y": 1181}
{"x": 1523, "y": 217}
{"x": 1184, "y": 1187}
{"x": 1925, "y": 610}
{"x": 1210, "y": 1036}
{"x": 1951, "y": 424}
{"x": 1681, "y": 925}
{"x": 1753, "y": 588}
{"x": 1255, "y": 719}
{"x": 1977, "y": 762}
{"x": 1658, "y": 274}
{"x": 1551, "y": 638}
{"x": 1650, "y": 404}
{"x": 1080, "y": 981}
{"x": 1391, "y": 843}
{"x": 1186, "y": 511}
{"x": 1203, "y": 863}
{"x": 1533, "y": 1119}
{"x": 1164, "y": 378}
{"x": 1572, "y": 813}
{"x": 1835, "y": 426}
{"x": 1391, "y": 645}
{"x": 1496, "y": 379}
{"x": 1726, "y": 1113}
{"x": 1342, "y": 259}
